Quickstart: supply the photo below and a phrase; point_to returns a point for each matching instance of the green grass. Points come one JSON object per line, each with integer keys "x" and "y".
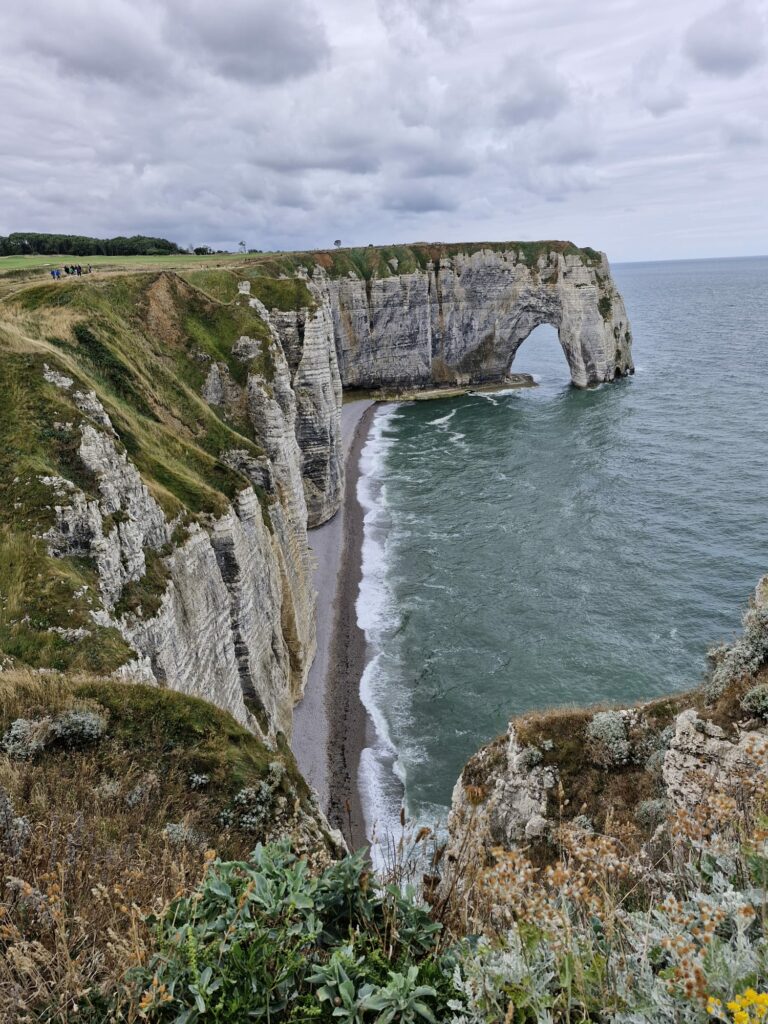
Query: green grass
{"x": 171, "y": 734}
{"x": 285, "y": 294}
{"x": 218, "y": 284}
{"x": 372, "y": 262}
{"x": 177, "y": 733}
{"x": 144, "y": 344}
{"x": 174, "y": 261}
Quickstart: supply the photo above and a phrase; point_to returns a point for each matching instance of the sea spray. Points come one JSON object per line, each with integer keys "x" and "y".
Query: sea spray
{"x": 381, "y": 780}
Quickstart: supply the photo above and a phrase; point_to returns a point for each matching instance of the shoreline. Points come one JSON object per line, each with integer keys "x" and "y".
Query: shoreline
{"x": 348, "y": 721}
{"x": 330, "y": 722}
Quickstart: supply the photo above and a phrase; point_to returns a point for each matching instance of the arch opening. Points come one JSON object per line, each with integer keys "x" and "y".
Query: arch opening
{"x": 541, "y": 355}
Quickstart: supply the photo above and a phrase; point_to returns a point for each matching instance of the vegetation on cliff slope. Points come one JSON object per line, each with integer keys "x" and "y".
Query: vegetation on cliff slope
{"x": 134, "y": 887}
{"x": 109, "y": 795}
{"x": 143, "y": 344}
{"x": 388, "y": 261}
{"x": 135, "y": 884}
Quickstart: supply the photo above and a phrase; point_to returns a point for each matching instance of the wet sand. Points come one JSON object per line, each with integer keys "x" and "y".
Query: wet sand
{"x": 329, "y": 725}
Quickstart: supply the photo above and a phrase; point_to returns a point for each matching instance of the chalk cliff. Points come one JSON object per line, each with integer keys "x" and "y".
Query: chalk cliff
{"x": 461, "y": 319}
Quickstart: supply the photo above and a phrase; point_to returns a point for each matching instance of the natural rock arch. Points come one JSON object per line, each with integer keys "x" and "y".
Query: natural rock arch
{"x": 461, "y": 320}
{"x": 540, "y": 351}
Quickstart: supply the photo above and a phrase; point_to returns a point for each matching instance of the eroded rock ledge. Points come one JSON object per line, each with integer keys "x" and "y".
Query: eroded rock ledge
{"x": 620, "y": 771}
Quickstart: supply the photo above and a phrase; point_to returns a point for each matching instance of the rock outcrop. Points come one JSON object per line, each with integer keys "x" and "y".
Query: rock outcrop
{"x": 235, "y": 622}
{"x": 461, "y": 320}
{"x": 307, "y": 340}
{"x": 621, "y": 770}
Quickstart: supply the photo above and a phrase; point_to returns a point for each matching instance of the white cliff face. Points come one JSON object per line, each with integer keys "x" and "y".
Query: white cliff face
{"x": 307, "y": 340}
{"x": 235, "y": 623}
{"x": 462, "y": 320}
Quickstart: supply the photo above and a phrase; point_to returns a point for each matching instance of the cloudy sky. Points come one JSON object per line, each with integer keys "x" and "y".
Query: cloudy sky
{"x": 636, "y": 126}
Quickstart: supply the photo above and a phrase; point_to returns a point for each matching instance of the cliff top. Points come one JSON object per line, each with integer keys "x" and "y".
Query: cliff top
{"x": 142, "y": 346}
{"x": 365, "y": 261}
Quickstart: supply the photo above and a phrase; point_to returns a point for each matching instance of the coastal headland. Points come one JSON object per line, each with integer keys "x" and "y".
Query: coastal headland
{"x": 174, "y": 434}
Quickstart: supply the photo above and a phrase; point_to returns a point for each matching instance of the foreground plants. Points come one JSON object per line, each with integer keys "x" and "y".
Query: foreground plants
{"x": 264, "y": 939}
{"x": 672, "y": 933}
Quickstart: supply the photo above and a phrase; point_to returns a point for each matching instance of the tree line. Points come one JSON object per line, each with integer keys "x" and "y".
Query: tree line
{"x": 21, "y": 243}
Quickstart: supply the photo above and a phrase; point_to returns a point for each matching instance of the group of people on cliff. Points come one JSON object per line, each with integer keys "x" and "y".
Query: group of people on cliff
{"x": 71, "y": 270}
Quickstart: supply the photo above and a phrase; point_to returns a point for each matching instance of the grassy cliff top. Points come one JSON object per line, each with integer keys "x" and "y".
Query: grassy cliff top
{"x": 375, "y": 261}
{"x": 143, "y": 343}
{"x": 365, "y": 261}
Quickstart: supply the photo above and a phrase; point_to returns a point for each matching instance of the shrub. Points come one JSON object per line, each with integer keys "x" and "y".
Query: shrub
{"x": 755, "y": 701}
{"x": 262, "y": 938}
{"x": 78, "y": 728}
{"x": 179, "y": 834}
{"x": 253, "y": 806}
{"x": 652, "y": 812}
{"x": 743, "y": 657}
{"x": 14, "y": 831}
{"x": 528, "y": 758}
{"x": 26, "y": 738}
{"x": 607, "y": 736}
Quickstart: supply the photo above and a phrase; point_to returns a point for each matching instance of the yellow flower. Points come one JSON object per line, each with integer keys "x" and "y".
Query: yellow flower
{"x": 747, "y": 1007}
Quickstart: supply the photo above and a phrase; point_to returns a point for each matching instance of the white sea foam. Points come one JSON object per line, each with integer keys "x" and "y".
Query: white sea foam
{"x": 380, "y": 776}
{"x": 441, "y": 419}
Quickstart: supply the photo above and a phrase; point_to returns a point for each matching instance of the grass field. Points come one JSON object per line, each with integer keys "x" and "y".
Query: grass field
{"x": 180, "y": 260}
{"x": 17, "y": 272}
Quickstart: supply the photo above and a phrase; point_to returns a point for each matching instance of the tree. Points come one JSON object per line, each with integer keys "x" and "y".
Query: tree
{"x": 46, "y": 244}
{"x": 241, "y": 246}
{"x": 337, "y": 243}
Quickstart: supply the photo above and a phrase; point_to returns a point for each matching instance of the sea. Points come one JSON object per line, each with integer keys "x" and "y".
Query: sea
{"x": 552, "y": 546}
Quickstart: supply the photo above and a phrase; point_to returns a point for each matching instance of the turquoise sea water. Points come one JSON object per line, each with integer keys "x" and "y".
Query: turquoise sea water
{"x": 554, "y": 546}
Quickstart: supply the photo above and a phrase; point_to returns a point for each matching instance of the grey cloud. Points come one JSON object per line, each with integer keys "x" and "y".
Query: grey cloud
{"x": 744, "y": 131}
{"x": 437, "y": 154}
{"x": 415, "y": 197}
{"x": 663, "y": 100}
{"x": 410, "y": 22}
{"x": 115, "y": 43}
{"x": 257, "y": 41}
{"x": 293, "y": 162}
{"x": 441, "y": 163}
{"x": 727, "y": 41}
{"x": 657, "y": 83}
{"x": 532, "y": 91}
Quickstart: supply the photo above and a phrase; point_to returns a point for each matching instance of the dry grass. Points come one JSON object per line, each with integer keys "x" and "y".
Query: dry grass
{"x": 691, "y": 899}
{"x": 84, "y": 859}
